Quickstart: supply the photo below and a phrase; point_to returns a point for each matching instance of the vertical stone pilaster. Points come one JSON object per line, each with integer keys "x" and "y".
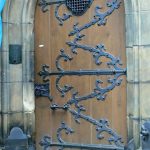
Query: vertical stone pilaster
{"x": 138, "y": 66}
{"x": 17, "y": 81}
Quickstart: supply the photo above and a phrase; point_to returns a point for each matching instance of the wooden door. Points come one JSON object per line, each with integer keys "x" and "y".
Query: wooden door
{"x": 85, "y": 72}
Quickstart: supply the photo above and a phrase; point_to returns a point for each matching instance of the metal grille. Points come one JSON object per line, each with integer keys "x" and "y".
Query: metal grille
{"x": 78, "y": 6}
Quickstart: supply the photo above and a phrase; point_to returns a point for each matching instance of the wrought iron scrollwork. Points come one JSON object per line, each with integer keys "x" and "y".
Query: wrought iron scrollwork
{"x": 98, "y": 92}
{"x": 73, "y": 105}
{"x": 102, "y": 126}
{"x": 78, "y": 8}
{"x": 99, "y": 17}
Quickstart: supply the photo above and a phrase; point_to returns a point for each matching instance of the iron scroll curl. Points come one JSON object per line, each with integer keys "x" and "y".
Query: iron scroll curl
{"x": 73, "y": 105}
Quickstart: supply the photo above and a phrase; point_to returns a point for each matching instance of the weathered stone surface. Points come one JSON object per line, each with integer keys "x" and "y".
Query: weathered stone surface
{"x": 133, "y": 100}
{"x": 28, "y": 37}
{"x": 16, "y": 11}
{"x": 145, "y": 31}
{"x": 145, "y": 100}
{"x": 5, "y": 97}
{"x": 144, "y": 5}
{"x": 144, "y": 63}
{"x": 17, "y": 80}
{"x": 16, "y": 94}
{"x": 28, "y": 67}
{"x": 12, "y": 97}
{"x": 133, "y": 31}
{"x": 131, "y": 6}
{"x": 132, "y": 64}
{"x": 5, "y": 66}
{"x": 28, "y": 97}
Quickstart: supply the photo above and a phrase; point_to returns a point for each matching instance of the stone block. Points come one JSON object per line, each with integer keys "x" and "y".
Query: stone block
{"x": 28, "y": 97}
{"x": 28, "y": 66}
{"x": 132, "y": 55}
{"x": 29, "y": 123}
{"x": 145, "y": 100}
{"x": 5, "y": 46}
{"x": 12, "y": 94}
{"x": 130, "y": 6}
{"x": 5, "y": 97}
{"x": 15, "y": 34}
{"x": 144, "y": 5}
{"x": 133, "y": 100}
{"x": 28, "y": 11}
{"x": 15, "y": 73}
{"x": 19, "y": 11}
{"x": 15, "y": 11}
{"x": 145, "y": 24}
{"x": 16, "y": 95}
{"x": 144, "y": 63}
{"x": 5, "y": 66}
{"x": 28, "y": 37}
{"x": 132, "y": 29}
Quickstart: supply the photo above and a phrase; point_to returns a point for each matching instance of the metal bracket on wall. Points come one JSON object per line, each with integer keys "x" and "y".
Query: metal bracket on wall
{"x": 42, "y": 90}
{"x": 145, "y": 135}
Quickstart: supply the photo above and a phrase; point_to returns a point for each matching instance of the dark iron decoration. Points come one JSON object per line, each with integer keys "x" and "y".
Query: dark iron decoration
{"x": 73, "y": 105}
{"x": 102, "y": 126}
{"x": 100, "y": 93}
{"x": 42, "y": 90}
{"x": 99, "y": 17}
{"x": 78, "y": 8}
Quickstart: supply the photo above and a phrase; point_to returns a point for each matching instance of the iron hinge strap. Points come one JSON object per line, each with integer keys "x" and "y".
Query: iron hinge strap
{"x": 87, "y": 72}
{"x": 85, "y": 146}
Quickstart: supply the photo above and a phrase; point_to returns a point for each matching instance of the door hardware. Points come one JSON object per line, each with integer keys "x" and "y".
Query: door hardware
{"x": 78, "y": 8}
{"x": 73, "y": 105}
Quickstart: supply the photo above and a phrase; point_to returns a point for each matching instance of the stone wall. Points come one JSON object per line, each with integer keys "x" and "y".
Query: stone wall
{"x": 17, "y": 80}
{"x": 138, "y": 66}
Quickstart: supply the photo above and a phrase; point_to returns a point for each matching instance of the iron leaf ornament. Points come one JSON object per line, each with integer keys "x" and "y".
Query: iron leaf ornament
{"x": 73, "y": 105}
{"x": 78, "y": 8}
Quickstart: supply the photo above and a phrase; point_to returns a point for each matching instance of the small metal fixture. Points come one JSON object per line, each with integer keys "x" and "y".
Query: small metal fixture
{"x": 15, "y": 54}
{"x": 145, "y": 135}
{"x": 42, "y": 90}
{"x": 77, "y": 7}
{"x": 17, "y": 140}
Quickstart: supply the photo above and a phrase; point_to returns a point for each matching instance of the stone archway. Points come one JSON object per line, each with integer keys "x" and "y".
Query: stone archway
{"x": 17, "y": 81}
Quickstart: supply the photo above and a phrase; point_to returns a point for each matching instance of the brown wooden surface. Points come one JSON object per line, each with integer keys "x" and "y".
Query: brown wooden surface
{"x": 53, "y": 37}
